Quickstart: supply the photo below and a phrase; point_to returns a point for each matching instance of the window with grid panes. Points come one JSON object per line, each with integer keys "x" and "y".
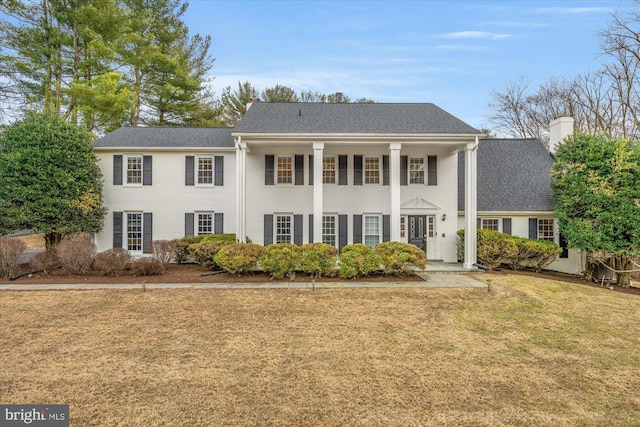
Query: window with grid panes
{"x": 372, "y": 170}
{"x": 205, "y": 170}
{"x": 285, "y": 170}
{"x": 546, "y": 229}
{"x": 134, "y": 232}
{"x": 329, "y": 170}
{"x": 284, "y": 229}
{"x": 490, "y": 224}
{"x": 416, "y": 170}
{"x": 134, "y": 169}
{"x": 205, "y": 223}
{"x": 371, "y": 230}
{"x": 329, "y": 229}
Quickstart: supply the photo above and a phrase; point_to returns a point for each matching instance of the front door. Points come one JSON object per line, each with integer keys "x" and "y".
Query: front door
{"x": 417, "y": 231}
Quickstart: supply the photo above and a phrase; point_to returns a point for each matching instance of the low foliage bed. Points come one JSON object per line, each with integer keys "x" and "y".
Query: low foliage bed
{"x": 531, "y": 352}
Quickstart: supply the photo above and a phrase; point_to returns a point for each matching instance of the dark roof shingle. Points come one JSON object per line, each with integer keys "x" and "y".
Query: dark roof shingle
{"x": 353, "y": 118}
{"x": 513, "y": 175}
{"x": 166, "y": 137}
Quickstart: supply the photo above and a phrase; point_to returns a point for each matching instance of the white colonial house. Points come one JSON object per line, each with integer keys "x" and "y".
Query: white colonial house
{"x": 295, "y": 172}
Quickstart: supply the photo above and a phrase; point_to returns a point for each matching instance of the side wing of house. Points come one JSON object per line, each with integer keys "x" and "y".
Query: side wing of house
{"x": 514, "y": 195}
{"x": 165, "y": 183}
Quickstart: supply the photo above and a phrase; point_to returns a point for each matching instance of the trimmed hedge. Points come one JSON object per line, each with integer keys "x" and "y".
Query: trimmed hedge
{"x": 204, "y": 253}
{"x": 398, "y": 258}
{"x": 281, "y": 260}
{"x": 182, "y": 253}
{"x": 357, "y": 260}
{"x": 318, "y": 259}
{"x": 239, "y": 258}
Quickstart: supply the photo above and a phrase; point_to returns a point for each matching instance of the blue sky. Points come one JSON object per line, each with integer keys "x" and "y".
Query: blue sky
{"x": 451, "y": 53}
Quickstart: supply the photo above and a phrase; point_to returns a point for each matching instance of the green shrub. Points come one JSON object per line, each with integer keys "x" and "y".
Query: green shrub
{"x": 318, "y": 259}
{"x": 543, "y": 253}
{"x": 281, "y": 260}
{"x": 228, "y": 237}
{"x": 181, "y": 254}
{"x": 112, "y": 262}
{"x": 11, "y": 250}
{"x": 238, "y": 258}
{"x": 523, "y": 253}
{"x": 399, "y": 258}
{"x": 204, "y": 253}
{"x": 495, "y": 247}
{"x": 357, "y": 260}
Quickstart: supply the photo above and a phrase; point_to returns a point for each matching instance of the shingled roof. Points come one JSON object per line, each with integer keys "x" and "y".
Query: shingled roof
{"x": 513, "y": 175}
{"x": 166, "y": 137}
{"x": 352, "y": 118}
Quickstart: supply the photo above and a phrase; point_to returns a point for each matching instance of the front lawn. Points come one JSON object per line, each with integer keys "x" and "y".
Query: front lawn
{"x": 532, "y": 352}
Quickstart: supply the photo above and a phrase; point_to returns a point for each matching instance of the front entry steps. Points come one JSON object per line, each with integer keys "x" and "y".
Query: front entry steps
{"x": 439, "y": 267}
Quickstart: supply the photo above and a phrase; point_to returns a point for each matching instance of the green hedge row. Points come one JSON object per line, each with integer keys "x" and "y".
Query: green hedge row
{"x": 285, "y": 259}
{"x": 496, "y": 248}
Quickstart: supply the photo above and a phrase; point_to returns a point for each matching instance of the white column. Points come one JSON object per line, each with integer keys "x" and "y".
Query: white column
{"x": 470, "y": 204}
{"x": 318, "y": 210}
{"x": 394, "y": 184}
{"x": 241, "y": 201}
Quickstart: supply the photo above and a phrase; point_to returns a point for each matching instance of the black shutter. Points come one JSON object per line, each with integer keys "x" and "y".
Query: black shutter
{"x": 564, "y": 245}
{"x": 357, "y": 229}
{"x": 310, "y": 169}
{"x": 357, "y": 170}
{"x": 147, "y": 170}
{"x": 299, "y": 167}
{"x": 188, "y": 224}
{"x": 117, "y": 228}
{"x": 297, "y": 229}
{"x": 506, "y": 225}
{"x": 385, "y": 169}
{"x": 386, "y": 228}
{"x": 268, "y": 229}
{"x": 342, "y": 169}
{"x": 342, "y": 231}
{"x": 479, "y": 223}
{"x": 219, "y": 170}
{"x": 310, "y": 228}
{"x": 533, "y": 228}
{"x": 147, "y": 232}
{"x": 432, "y": 170}
{"x": 268, "y": 169}
{"x": 218, "y": 223}
{"x": 117, "y": 170}
{"x": 188, "y": 168}
{"x": 404, "y": 166}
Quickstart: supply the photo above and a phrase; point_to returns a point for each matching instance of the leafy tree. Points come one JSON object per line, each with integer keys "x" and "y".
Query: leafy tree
{"x": 49, "y": 179}
{"x": 234, "y": 104}
{"x": 596, "y": 185}
{"x": 279, "y": 93}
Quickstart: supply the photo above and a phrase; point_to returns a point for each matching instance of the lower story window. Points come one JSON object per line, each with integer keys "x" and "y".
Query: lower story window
{"x": 283, "y": 229}
{"x": 546, "y": 229}
{"x": 134, "y": 232}
{"x": 490, "y": 224}
{"x": 329, "y": 229}
{"x": 205, "y": 223}
{"x": 371, "y": 230}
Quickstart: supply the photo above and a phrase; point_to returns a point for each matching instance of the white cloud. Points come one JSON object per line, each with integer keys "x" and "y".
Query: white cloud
{"x": 475, "y": 35}
{"x": 572, "y": 10}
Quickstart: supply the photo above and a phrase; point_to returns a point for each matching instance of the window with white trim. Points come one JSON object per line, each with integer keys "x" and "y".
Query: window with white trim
{"x": 416, "y": 170}
{"x": 205, "y": 170}
{"x": 403, "y": 227}
{"x": 283, "y": 228}
{"x": 284, "y": 169}
{"x": 134, "y": 231}
{"x": 490, "y": 224}
{"x": 372, "y": 230}
{"x": 546, "y": 229}
{"x": 329, "y": 170}
{"x": 372, "y": 170}
{"x": 329, "y": 229}
{"x": 134, "y": 170}
{"x": 205, "y": 223}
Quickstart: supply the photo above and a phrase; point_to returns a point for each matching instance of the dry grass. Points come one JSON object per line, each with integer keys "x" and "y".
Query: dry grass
{"x": 532, "y": 352}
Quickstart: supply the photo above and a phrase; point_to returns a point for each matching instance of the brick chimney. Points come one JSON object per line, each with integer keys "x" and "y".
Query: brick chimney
{"x": 559, "y": 129}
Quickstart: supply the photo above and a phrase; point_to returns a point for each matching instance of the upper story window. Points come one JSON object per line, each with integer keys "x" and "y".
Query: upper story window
{"x": 372, "y": 170}
{"x": 134, "y": 170}
{"x": 329, "y": 170}
{"x": 416, "y": 170}
{"x": 285, "y": 170}
{"x": 205, "y": 170}
{"x": 490, "y": 224}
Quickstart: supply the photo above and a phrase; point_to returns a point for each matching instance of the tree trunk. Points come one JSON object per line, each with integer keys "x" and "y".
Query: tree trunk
{"x": 51, "y": 241}
{"x": 624, "y": 279}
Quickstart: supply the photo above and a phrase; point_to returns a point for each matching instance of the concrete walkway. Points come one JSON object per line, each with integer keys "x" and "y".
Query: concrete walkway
{"x": 430, "y": 281}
